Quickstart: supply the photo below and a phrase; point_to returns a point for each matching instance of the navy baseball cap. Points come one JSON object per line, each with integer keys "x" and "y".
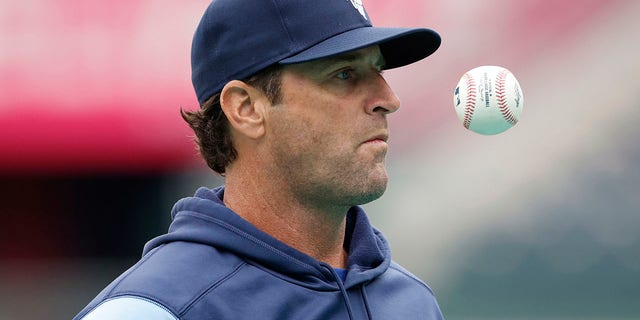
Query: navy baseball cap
{"x": 237, "y": 38}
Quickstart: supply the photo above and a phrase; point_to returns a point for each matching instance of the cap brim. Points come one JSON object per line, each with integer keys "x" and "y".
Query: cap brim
{"x": 399, "y": 46}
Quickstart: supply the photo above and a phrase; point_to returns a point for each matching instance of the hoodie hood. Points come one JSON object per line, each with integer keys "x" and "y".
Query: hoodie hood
{"x": 204, "y": 219}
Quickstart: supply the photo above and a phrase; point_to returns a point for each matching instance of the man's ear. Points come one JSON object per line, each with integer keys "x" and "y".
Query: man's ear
{"x": 244, "y": 107}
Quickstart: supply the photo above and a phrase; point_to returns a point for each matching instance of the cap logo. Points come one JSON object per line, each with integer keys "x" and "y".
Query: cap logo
{"x": 358, "y": 5}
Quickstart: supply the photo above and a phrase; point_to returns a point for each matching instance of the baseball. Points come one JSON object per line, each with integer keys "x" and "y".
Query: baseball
{"x": 488, "y": 100}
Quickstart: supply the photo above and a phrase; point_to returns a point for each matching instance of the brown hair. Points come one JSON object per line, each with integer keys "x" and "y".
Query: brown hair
{"x": 211, "y": 126}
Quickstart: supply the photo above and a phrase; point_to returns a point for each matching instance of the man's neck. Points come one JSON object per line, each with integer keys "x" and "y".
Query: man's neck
{"x": 318, "y": 233}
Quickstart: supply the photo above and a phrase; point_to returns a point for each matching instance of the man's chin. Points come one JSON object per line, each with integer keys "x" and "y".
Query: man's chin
{"x": 372, "y": 193}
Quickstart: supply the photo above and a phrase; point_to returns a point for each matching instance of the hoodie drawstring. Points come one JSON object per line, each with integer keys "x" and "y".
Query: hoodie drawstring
{"x": 342, "y": 290}
{"x": 366, "y": 302}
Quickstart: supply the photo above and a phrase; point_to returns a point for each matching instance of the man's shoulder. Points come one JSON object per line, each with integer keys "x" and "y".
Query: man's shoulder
{"x": 183, "y": 267}
{"x": 400, "y": 274}
{"x": 399, "y": 294}
{"x": 182, "y": 259}
{"x": 172, "y": 276}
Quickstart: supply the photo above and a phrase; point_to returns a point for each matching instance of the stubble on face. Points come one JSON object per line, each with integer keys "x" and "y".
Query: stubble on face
{"x": 325, "y": 171}
{"x": 322, "y": 155}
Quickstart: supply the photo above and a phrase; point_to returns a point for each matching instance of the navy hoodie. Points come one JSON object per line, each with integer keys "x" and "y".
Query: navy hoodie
{"x": 212, "y": 264}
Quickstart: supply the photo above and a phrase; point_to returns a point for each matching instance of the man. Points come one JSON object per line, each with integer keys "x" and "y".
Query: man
{"x": 293, "y": 114}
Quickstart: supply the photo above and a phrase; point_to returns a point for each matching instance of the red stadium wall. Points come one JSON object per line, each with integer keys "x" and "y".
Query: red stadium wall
{"x": 96, "y": 86}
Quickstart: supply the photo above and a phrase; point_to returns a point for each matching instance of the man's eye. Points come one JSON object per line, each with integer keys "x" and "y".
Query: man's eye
{"x": 344, "y": 74}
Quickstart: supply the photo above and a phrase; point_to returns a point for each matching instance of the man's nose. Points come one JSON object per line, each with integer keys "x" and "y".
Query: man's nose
{"x": 385, "y": 100}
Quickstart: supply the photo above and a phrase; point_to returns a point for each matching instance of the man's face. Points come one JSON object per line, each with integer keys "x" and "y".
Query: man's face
{"x": 328, "y": 136}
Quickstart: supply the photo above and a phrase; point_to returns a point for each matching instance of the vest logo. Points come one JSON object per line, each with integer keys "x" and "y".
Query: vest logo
{"x": 360, "y": 7}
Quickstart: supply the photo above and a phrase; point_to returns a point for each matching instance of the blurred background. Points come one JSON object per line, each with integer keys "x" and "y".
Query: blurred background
{"x": 539, "y": 222}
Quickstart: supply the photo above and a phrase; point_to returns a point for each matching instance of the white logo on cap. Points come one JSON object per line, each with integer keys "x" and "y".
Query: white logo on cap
{"x": 358, "y": 5}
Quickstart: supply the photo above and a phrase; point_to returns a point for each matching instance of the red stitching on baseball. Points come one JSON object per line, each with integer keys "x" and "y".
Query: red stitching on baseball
{"x": 471, "y": 100}
{"x": 501, "y": 97}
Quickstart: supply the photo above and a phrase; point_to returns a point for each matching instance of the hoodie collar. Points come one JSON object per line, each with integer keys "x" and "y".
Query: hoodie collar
{"x": 204, "y": 219}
